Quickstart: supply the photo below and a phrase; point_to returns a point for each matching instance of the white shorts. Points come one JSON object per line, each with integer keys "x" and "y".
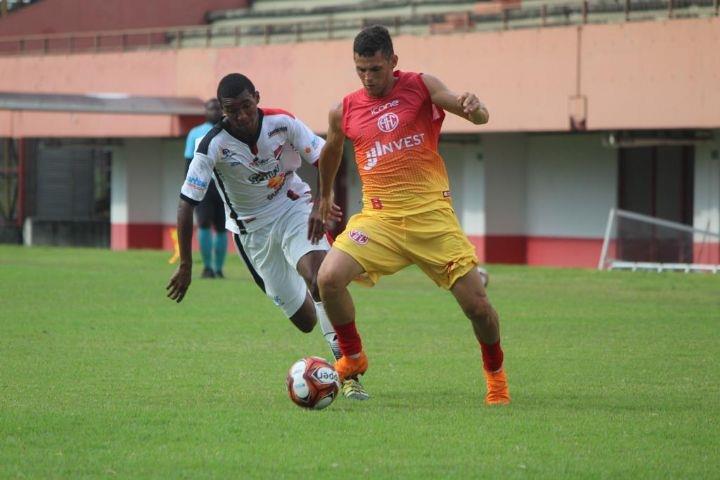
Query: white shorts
{"x": 272, "y": 252}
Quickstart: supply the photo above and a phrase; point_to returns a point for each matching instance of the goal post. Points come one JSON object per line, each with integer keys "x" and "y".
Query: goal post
{"x": 634, "y": 241}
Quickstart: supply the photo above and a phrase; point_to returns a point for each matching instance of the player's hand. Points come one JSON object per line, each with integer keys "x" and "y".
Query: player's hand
{"x": 324, "y": 211}
{"x": 335, "y": 214}
{"x": 470, "y": 104}
{"x": 179, "y": 283}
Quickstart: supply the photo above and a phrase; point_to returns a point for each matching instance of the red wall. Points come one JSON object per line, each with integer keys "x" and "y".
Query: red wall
{"x": 521, "y": 249}
{"x": 64, "y": 16}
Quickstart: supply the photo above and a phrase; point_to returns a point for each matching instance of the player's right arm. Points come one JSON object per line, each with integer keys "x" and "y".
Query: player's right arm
{"x": 197, "y": 181}
{"x": 180, "y": 281}
{"x": 328, "y": 165}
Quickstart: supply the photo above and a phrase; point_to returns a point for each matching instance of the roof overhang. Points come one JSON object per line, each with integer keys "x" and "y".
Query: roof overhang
{"x": 113, "y": 103}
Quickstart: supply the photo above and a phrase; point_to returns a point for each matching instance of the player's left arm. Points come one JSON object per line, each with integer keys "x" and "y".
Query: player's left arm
{"x": 466, "y": 105}
{"x": 305, "y": 141}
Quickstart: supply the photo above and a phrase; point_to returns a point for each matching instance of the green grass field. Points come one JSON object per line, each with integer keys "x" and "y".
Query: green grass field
{"x": 613, "y": 375}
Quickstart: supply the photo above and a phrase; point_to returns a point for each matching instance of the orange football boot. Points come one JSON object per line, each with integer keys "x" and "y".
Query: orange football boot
{"x": 497, "y": 388}
{"x": 348, "y": 367}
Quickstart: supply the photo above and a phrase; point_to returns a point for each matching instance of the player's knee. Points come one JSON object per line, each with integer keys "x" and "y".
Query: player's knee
{"x": 314, "y": 288}
{"x": 325, "y": 278}
{"x": 305, "y": 317}
{"x": 310, "y": 277}
{"x": 306, "y": 327}
{"x": 304, "y": 322}
{"x": 329, "y": 280}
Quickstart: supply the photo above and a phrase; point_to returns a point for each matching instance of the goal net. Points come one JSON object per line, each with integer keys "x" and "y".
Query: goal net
{"x": 639, "y": 242}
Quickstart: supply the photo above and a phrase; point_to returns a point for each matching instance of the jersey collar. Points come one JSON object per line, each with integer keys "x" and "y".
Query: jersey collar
{"x": 252, "y": 143}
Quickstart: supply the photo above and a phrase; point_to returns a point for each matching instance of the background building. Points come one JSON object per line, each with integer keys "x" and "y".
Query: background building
{"x": 593, "y": 105}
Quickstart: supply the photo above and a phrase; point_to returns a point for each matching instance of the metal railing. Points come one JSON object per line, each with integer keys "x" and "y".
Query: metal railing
{"x": 264, "y": 31}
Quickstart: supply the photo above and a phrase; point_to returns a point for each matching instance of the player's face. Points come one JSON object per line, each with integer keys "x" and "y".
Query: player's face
{"x": 213, "y": 112}
{"x": 376, "y": 73}
{"x": 242, "y": 112}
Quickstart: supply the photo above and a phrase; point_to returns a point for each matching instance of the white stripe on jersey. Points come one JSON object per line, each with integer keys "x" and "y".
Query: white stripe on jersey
{"x": 257, "y": 182}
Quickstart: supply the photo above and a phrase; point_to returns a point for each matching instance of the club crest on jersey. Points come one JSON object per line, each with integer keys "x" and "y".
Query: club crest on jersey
{"x": 277, "y": 182}
{"x": 388, "y": 122}
{"x": 358, "y": 237}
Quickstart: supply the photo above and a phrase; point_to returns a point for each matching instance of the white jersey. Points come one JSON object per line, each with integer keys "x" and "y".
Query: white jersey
{"x": 257, "y": 181}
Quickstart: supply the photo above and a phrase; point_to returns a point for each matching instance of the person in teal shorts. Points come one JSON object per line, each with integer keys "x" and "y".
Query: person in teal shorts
{"x": 210, "y": 213}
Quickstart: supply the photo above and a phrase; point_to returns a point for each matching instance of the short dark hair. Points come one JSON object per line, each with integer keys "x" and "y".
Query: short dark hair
{"x": 233, "y": 85}
{"x": 373, "y": 39}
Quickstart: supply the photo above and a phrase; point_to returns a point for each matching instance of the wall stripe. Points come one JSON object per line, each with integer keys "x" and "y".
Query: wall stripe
{"x": 545, "y": 251}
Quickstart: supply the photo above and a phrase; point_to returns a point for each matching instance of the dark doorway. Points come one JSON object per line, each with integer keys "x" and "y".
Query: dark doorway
{"x": 68, "y": 201}
{"x": 656, "y": 181}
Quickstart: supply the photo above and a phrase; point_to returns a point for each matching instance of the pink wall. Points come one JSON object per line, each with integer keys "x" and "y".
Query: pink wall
{"x": 635, "y": 75}
{"x": 652, "y": 75}
{"x": 139, "y": 73}
{"x": 63, "y": 16}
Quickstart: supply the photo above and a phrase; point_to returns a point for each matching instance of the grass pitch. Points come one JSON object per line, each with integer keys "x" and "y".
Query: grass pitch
{"x": 613, "y": 375}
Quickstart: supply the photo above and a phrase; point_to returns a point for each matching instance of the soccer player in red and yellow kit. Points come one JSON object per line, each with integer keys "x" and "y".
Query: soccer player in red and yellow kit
{"x": 394, "y": 123}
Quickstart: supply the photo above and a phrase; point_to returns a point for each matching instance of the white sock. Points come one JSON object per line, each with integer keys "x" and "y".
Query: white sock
{"x": 327, "y": 330}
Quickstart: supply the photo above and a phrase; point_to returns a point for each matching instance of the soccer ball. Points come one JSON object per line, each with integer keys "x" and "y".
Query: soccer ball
{"x": 312, "y": 383}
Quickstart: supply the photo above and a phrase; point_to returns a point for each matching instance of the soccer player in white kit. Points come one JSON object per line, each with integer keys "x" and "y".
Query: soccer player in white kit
{"x": 253, "y": 155}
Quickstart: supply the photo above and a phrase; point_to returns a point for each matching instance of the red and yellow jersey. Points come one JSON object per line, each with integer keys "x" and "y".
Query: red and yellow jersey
{"x": 395, "y": 139}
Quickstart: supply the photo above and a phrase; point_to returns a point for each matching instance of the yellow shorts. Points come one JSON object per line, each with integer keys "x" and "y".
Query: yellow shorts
{"x": 431, "y": 240}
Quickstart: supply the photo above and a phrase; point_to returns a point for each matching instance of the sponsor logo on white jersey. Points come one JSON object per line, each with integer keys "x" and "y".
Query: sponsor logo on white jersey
{"x": 196, "y": 183}
{"x": 381, "y": 108}
{"x": 388, "y": 122}
{"x": 260, "y": 177}
{"x": 381, "y": 149}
